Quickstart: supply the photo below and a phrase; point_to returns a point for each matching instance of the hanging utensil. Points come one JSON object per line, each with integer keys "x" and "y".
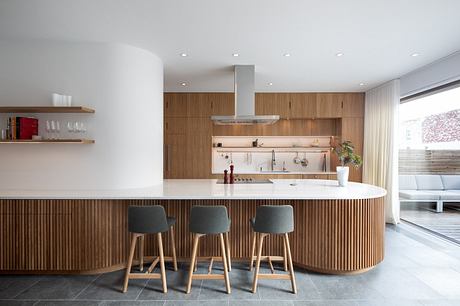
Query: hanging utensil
{"x": 296, "y": 159}
{"x": 304, "y": 161}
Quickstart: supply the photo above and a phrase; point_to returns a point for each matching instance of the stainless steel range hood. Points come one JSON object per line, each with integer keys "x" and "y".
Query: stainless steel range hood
{"x": 244, "y": 101}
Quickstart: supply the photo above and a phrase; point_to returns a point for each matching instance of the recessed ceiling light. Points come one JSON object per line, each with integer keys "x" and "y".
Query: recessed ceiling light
{"x": 287, "y": 54}
{"x": 270, "y": 84}
{"x": 184, "y": 54}
{"x": 414, "y": 54}
{"x": 235, "y": 54}
{"x": 183, "y": 84}
{"x": 361, "y": 84}
{"x": 339, "y": 54}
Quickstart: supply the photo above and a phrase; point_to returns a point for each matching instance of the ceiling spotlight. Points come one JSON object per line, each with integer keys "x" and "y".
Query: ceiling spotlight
{"x": 235, "y": 54}
{"x": 183, "y": 84}
{"x": 270, "y": 84}
{"x": 339, "y": 54}
{"x": 184, "y": 54}
{"x": 361, "y": 84}
{"x": 414, "y": 54}
{"x": 287, "y": 54}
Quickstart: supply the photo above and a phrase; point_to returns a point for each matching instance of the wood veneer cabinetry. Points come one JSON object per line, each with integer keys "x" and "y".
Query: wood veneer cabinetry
{"x": 91, "y": 236}
{"x": 188, "y": 128}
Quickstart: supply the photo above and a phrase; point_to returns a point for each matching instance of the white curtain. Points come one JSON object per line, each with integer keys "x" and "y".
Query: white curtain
{"x": 380, "y": 156}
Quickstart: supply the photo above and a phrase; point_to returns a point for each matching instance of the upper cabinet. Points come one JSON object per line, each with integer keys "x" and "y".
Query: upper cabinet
{"x": 175, "y": 104}
{"x": 353, "y": 105}
{"x": 198, "y": 104}
{"x": 329, "y": 105}
{"x": 222, "y": 104}
{"x": 273, "y": 104}
{"x": 302, "y": 105}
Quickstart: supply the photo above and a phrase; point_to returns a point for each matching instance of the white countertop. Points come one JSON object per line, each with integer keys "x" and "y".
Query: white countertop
{"x": 208, "y": 189}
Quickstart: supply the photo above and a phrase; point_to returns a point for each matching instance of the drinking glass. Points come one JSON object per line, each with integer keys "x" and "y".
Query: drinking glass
{"x": 53, "y": 129}
{"x": 69, "y": 127}
{"x": 77, "y": 128}
{"x": 48, "y": 129}
{"x": 58, "y": 129}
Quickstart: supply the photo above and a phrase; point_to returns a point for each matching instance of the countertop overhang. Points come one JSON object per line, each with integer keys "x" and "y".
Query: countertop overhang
{"x": 196, "y": 189}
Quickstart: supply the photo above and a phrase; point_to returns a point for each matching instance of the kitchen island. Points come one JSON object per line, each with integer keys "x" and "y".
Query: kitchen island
{"x": 338, "y": 230}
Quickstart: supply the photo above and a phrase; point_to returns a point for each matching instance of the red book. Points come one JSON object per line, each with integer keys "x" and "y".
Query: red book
{"x": 27, "y": 127}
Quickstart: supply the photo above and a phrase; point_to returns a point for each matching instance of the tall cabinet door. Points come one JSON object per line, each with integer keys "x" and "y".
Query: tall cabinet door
{"x": 273, "y": 104}
{"x": 329, "y": 105}
{"x": 174, "y": 158}
{"x": 302, "y": 105}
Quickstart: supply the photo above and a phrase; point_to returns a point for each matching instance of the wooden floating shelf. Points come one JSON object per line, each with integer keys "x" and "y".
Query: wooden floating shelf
{"x": 72, "y": 141}
{"x": 46, "y": 109}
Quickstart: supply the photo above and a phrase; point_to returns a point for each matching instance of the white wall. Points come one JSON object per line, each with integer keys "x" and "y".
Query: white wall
{"x": 435, "y": 74}
{"x": 122, "y": 83}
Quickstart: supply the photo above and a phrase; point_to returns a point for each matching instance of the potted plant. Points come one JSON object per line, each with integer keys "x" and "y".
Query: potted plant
{"x": 346, "y": 155}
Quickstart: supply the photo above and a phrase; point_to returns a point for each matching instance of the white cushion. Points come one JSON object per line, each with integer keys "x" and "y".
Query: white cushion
{"x": 407, "y": 182}
{"x": 451, "y": 182}
{"x": 418, "y": 195}
{"x": 450, "y": 195}
{"x": 429, "y": 182}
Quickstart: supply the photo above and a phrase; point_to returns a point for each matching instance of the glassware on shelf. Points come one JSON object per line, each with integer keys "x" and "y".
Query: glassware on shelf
{"x": 53, "y": 129}
{"x": 69, "y": 126}
{"x": 58, "y": 129}
{"x": 48, "y": 129}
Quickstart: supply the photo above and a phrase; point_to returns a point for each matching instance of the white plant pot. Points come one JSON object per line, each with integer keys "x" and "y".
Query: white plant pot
{"x": 342, "y": 176}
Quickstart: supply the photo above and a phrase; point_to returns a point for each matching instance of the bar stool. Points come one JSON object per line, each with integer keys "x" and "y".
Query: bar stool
{"x": 209, "y": 220}
{"x": 149, "y": 220}
{"x": 271, "y": 219}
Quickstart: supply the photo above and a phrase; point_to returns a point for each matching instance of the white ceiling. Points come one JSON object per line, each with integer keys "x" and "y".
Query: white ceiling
{"x": 376, "y": 37}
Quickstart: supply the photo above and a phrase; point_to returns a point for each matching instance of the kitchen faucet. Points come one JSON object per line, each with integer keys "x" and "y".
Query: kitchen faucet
{"x": 273, "y": 160}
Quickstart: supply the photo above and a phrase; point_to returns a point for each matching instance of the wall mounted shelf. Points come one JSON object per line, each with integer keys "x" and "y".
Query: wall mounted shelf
{"x": 46, "y": 109}
{"x": 68, "y": 141}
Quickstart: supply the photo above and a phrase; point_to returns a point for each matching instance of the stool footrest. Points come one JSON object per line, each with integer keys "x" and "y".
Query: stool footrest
{"x": 274, "y": 276}
{"x": 208, "y": 276}
{"x": 144, "y": 275}
{"x": 272, "y": 258}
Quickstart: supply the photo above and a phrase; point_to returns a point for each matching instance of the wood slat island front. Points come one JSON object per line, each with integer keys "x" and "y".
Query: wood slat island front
{"x": 336, "y": 236}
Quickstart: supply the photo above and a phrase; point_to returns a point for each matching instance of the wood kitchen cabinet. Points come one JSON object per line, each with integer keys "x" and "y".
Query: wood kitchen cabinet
{"x": 222, "y": 104}
{"x": 273, "y": 104}
{"x": 353, "y": 105}
{"x": 302, "y": 105}
{"x": 174, "y": 160}
{"x": 175, "y": 104}
{"x": 329, "y": 105}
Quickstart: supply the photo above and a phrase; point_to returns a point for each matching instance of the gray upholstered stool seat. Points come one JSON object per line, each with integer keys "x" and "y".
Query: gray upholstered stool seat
{"x": 210, "y": 220}
{"x": 144, "y": 220}
{"x": 272, "y": 219}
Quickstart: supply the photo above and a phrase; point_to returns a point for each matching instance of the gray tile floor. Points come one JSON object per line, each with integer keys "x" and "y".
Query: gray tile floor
{"x": 418, "y": 269}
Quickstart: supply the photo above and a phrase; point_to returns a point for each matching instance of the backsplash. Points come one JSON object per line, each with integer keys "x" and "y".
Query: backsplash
{"x": 299, "y": 154}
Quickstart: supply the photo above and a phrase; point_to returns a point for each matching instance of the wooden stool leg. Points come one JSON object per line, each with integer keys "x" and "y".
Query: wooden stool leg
{"x": 141, "y": 253}
{"x": 253, "y": 249}
{"x": 291, "y": 267}
{"x": 259, "y": 254}
{"x": 130, "y": 262}
{"x": 173, "y": 246}
{"x": 285, "y": 256}
{"x": 162, "y": 263}
{"x": 224, "y": 260}
{"x": 196, "y": 239}
{"x": 227, "y": 243}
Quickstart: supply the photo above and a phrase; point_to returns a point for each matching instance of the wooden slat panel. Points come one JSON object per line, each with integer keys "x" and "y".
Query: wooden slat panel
{"x": 429, "y": 161}
{"x": 75, "y": 236}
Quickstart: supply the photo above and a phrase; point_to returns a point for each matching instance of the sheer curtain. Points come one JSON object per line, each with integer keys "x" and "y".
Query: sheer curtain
{"x": 380, "y": 156}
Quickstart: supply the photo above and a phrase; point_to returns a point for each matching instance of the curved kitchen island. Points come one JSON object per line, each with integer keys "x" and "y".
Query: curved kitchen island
{"x": 338, "y": 230}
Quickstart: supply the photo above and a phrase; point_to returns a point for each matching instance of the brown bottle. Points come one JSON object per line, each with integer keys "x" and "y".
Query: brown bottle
{"x": 225, "y": 177}
{"x": 232, "y": 179}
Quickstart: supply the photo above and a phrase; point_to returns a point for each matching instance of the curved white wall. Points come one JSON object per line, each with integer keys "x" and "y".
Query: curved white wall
{"x": 123, "y": 84}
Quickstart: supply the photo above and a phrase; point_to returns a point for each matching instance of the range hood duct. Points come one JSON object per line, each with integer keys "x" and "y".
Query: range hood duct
{"x": 244, "y": 101}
